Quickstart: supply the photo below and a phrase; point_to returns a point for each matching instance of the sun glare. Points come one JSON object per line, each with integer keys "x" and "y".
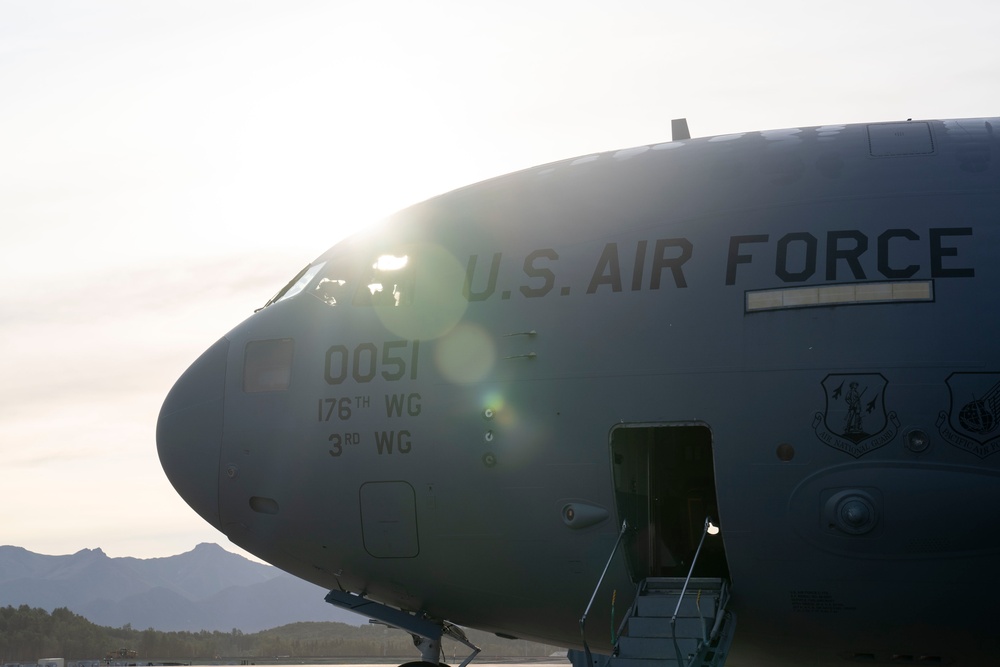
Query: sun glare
{"x": 391, "y": 263}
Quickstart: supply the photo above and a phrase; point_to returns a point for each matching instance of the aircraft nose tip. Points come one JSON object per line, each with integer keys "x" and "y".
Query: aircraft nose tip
{"x": 189, "y": 432}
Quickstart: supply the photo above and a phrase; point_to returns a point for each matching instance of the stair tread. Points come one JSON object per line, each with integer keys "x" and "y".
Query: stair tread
{"x": 673, "y": 586}
{"x": 642, "y": 662}
{"x": 648, "y": 640}
{"x": 639, "y": 647}
{"x": 666, "y": 606}
{"x": 652, "y": 627}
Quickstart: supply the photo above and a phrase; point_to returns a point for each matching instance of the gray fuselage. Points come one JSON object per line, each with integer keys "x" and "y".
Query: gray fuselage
{"x": 815, "y": 306}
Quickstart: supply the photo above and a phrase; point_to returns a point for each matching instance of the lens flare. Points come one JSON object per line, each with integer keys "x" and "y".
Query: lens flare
{"x": 465, "y": 355}
{"x": 438, "y": 278}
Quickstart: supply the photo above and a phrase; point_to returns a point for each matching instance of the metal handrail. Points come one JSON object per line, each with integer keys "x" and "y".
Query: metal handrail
{"x": 720, "y": 614}
{"x": 680, "y": 600}
{"x": 583, "y": 619}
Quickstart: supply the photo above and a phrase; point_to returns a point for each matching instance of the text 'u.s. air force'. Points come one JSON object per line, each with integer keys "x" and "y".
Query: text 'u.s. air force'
{"x": 795, "y": 257}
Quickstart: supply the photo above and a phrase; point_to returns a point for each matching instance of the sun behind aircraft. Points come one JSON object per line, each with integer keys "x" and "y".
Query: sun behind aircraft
{"x": 524, "y": 406}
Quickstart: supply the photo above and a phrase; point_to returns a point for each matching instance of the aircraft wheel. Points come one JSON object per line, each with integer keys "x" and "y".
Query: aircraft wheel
{"x": 423, "y": 663}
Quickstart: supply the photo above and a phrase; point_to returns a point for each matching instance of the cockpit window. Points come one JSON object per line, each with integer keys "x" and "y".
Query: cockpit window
{"x": 389, "y": 283}
{"x": 334, "y": 285}
{"x": 331, "y": 290}
{"x": 296, "y": 284}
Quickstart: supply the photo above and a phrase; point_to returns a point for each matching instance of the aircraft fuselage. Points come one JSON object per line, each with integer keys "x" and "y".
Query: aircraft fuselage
{"x": 792, "y": 331}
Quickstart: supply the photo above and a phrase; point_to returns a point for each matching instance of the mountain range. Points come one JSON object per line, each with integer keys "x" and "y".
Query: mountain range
{"x": 207, "y": 588}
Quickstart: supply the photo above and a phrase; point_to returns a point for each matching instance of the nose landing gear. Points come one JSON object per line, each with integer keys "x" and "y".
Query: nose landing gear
{"x": 430, "y": 649}
{"x": 426, "y": 632}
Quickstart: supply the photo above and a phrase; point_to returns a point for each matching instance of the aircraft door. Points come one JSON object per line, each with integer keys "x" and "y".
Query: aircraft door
{"x": 664, "y": 480}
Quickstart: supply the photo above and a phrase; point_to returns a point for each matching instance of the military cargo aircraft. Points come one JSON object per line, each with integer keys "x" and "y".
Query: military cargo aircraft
{"x": 732, "y": 399}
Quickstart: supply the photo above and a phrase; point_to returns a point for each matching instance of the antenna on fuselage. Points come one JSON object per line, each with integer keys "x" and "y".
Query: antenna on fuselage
{"x": 679, "y": 129}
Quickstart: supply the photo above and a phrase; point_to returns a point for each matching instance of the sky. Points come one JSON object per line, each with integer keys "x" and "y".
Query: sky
{"x": 165, "y": 167}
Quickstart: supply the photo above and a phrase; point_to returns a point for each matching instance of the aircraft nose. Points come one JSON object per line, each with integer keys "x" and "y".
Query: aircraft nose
{"x": 189, "y": 432}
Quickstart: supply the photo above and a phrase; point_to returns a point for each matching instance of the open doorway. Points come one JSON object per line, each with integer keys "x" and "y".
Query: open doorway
{"x": 664, "y": 477}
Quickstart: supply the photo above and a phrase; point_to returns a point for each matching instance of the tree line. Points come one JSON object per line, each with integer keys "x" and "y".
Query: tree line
{"x": 27, "y": 634}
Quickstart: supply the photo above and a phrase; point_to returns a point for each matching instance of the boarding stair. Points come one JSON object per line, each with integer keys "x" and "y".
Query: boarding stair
{"x": 672, "y": 622}
{"x": 676, "y": 622}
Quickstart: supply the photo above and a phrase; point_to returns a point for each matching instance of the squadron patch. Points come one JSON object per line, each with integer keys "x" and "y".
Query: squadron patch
{"x": 972, "y": 422}
{"x": 855, "y": 419}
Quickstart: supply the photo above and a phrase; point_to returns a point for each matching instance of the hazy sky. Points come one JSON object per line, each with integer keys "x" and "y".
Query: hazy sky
{"x": 165, "y": 167}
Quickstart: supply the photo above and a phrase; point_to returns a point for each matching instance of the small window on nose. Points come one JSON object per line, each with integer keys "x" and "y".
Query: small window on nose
{"x": 267, "y": 365}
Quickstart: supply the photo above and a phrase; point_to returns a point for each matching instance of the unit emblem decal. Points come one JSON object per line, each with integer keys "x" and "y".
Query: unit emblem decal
{"x": 855, "y": 420}
{"x": 972, "y": 422}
